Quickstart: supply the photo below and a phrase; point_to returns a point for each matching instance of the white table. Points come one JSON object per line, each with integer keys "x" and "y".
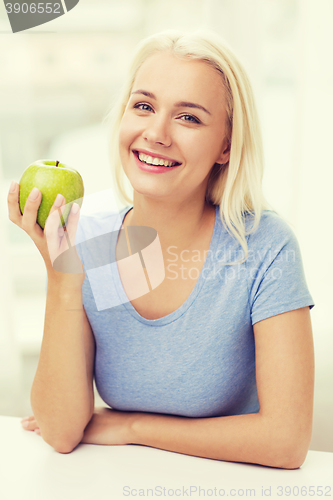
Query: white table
{"x": 30, "y": 469}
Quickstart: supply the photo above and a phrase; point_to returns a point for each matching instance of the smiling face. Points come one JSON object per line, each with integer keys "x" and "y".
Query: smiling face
{"x": 176, "y": 118}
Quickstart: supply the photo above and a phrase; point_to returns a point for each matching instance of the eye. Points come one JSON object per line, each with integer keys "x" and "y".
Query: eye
{"x": 190, "y": 118}
{"x": 143, "y": 106}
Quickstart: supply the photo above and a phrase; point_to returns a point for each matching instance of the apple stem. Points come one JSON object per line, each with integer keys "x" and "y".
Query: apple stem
{"x": 57, "y": 163}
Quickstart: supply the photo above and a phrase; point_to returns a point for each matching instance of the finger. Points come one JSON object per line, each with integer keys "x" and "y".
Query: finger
{"x": 29, "y": 218}
{"x": 58, "y": 202}
{"x": 30, "y": 425}
{"x": 71, "y": 262}
{"x": 52, "y": 231}
{"x": 53, "y": 220}
{"x": 72, "y": 222}
{"x": 14, "y": 211}
{"x": 62, "y": 251}
{"x": 30, "y": 417}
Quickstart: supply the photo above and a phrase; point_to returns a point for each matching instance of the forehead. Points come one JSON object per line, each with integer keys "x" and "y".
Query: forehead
{"x": 181, "y": 79}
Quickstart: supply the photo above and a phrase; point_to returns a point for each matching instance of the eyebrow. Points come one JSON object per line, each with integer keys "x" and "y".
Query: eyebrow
{"x": 180, "y": 104}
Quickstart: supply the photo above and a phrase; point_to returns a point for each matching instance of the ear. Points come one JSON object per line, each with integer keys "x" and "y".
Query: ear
{"x": 225, "y": 153}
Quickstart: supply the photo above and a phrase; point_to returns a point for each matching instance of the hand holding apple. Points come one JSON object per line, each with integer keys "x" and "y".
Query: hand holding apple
{"x": 55, "y": 242}
{"x": 51, "y": 178}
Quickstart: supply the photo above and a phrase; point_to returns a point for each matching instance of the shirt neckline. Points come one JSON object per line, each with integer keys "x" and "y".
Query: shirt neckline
{"x": 169, "y": 318}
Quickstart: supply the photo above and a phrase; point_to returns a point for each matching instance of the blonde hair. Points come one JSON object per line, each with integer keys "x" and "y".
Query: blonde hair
{"x": 235, "y": 186}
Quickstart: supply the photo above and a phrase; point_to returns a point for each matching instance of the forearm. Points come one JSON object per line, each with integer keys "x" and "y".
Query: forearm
{"x": 60, "y": 395}
{"x": 240, "y": 438}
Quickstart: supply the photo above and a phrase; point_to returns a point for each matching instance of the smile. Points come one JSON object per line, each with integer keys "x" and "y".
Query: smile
{"x": 153, "y": 160}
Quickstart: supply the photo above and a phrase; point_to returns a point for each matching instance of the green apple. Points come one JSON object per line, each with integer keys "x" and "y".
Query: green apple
{"x": 51, "y": 178}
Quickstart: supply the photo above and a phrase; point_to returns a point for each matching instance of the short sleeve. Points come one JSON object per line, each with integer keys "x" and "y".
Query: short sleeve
{"x": 275, "y": 271}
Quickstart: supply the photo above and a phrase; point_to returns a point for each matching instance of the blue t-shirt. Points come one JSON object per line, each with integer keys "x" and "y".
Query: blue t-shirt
{"x": 198, "y": 361}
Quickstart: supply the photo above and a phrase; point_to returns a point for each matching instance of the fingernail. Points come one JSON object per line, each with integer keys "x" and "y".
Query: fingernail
{"x": 24, "y": 418}
{"x": 12, "y": 187}
{"x": 37, "y": 431}
{"x": 34, "y": 194}
{"x": 58, "y": 201}
{"x": 75, "y": 208}
{"x": 25, "y": 424}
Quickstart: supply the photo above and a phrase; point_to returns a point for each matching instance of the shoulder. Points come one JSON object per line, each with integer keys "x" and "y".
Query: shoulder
{"x": 276, "y": 277}
{"x": 271, "y": 223}
{"x": 98, "y": 224}
{"x": 273, "y": 231}
{"x": 273, "y": 239}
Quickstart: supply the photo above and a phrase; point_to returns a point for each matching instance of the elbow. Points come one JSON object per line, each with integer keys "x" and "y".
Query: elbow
{"x": 290, "y": 460}
{"x": 61, "y": 445}
{"x": 291, "y": 454}
{"x": 64, "y": 448}
{"x": 285, "y": 444}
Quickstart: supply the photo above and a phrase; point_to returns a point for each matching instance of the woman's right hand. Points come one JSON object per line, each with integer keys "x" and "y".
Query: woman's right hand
{"x": 30, "y": 424}
{"x": 56, "y": 245}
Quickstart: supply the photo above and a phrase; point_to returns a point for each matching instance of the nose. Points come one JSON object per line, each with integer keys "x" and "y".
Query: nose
{"x": 158, "y": 131}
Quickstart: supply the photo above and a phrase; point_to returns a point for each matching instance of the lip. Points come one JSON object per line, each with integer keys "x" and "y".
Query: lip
{"x": 154, "y": 169}
{"x": 155, "y": 155}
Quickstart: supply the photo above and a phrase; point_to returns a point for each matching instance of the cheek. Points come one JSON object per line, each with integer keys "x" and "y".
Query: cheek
{"x": 130, "y": 128}
{"x": 124, "y": 143}
{"x": 211, "y": 147}
{"x": 203, "y": 150}
{"x": 124, "y": 133}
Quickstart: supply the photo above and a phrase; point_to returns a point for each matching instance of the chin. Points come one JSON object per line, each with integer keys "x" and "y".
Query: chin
{"x": 146, "y": 187}
{"x": 149, "y": 193}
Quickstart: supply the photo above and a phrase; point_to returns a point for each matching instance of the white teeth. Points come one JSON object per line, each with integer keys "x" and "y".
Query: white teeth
{"x": 155, "y": 161}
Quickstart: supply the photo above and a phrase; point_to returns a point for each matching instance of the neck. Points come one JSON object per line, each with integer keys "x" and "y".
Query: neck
{"x": 177, "y": 224}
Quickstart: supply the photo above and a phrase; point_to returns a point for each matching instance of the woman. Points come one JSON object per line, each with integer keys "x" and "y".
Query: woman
{"x": 217, "y": 359}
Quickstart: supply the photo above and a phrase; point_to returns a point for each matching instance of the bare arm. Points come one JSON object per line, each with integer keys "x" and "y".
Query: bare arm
{"x": 62, "y": 395}
{"x": 279, "y": 435}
